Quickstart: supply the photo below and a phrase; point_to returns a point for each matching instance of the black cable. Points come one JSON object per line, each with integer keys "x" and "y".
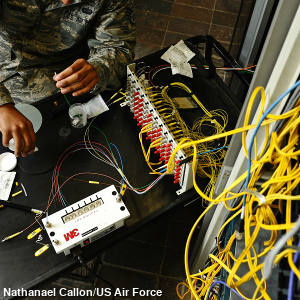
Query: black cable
{"x": 83, "y": 263}
{"x": 77, "y": 252}
{"x": 235, "y": 25}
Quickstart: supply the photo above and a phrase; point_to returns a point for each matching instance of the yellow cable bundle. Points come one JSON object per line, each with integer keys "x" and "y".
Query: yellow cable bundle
{"x": 282, "y": 154}
{"x": 209, "y": 163}
{"x": 146, "y": 128}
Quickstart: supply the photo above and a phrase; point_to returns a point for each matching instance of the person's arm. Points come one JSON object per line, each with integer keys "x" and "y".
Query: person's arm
{"x": 111, "y": 49}
{"x": 5, "y": 97}
{"x": 14, "y": 125}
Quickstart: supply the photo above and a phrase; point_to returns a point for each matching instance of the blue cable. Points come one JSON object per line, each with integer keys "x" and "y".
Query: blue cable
{"x": 120, "y": 157}
{"x": 224, "y": 283}
{"x": 212, "y": 150}
{"x": 121, "y": 161}
{"x": 292, "y": 277}
{"x": 256, "y": 130}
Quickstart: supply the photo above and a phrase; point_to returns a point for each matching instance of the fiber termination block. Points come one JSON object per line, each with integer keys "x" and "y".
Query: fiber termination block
{"x": 145, "y": 113}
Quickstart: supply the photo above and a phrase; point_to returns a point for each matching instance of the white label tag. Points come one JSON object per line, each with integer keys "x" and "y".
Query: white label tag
{"x": 188, "y": 53}
{"x": 183, "y": 69}
{"x": 95, "y": 106}
{"x": 6, "y": 182}
{"x": 178, "y": 56}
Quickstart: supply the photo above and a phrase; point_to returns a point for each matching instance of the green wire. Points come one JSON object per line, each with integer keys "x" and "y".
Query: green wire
{"x": 106, "y": 139}
{"x": 66, "y": 98}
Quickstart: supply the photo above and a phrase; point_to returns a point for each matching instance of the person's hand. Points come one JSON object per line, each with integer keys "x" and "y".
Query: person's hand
{"x": 79, "y": 78}
{"x": 66, "y": 1}
{"x": 14, "y": 125}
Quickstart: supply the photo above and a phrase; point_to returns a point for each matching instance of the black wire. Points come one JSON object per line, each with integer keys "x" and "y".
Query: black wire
{"x": 235, "y": 25}
{"x": 96, "y": 275}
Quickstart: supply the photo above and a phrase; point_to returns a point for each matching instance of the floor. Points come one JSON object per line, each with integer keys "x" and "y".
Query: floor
{"x": 150, "y": 259}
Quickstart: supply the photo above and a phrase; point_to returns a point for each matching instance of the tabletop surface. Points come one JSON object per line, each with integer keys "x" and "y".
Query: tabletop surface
{"x": 19, "y": 268}
{"x": 17, "y": 260}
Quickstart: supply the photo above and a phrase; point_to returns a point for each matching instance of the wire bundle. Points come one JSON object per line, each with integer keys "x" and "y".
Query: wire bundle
{"x": 105, "y": 154}
{"x": 267, "y": 208}
{"x": 212, "y": 122}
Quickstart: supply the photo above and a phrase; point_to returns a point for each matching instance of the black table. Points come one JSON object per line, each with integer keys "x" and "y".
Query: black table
{"x": 19, "y": 267}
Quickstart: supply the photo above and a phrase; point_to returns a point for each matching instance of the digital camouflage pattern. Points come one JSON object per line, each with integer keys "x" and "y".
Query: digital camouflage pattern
{"x": 40, "y": 37}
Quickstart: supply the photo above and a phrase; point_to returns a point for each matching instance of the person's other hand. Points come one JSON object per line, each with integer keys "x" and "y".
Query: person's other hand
{"x": 66, "y": 1}
{"x": 79, "y": 78}
{"x": 14, "y": 125}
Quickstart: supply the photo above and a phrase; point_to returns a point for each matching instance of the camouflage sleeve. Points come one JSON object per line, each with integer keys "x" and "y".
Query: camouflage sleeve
{"x": 112, "y": 48}
{"x": 4, "y": 95}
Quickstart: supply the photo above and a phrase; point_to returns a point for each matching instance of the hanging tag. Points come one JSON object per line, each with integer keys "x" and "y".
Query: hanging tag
{"x": 34, "y": 233}
{"x": 41, "y": 250}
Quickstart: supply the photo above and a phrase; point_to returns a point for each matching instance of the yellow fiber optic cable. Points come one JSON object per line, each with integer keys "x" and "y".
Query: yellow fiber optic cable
{"x": 278, "y": 188}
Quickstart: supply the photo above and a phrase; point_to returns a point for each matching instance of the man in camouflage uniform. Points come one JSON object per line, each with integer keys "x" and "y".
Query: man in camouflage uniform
{"x": 87, "y": 42}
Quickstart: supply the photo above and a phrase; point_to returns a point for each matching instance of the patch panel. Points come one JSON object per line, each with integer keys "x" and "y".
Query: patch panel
{"x": 145, "y": 112}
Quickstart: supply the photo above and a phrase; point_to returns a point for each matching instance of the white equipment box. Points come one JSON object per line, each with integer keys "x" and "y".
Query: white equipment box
{"x": 86, "y": 220}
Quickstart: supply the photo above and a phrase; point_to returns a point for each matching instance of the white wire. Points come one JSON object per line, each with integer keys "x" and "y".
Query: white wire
{"x": 24, "y": 189}
{"x": 115, "y": 164}
{"x": 97, "y": 157}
